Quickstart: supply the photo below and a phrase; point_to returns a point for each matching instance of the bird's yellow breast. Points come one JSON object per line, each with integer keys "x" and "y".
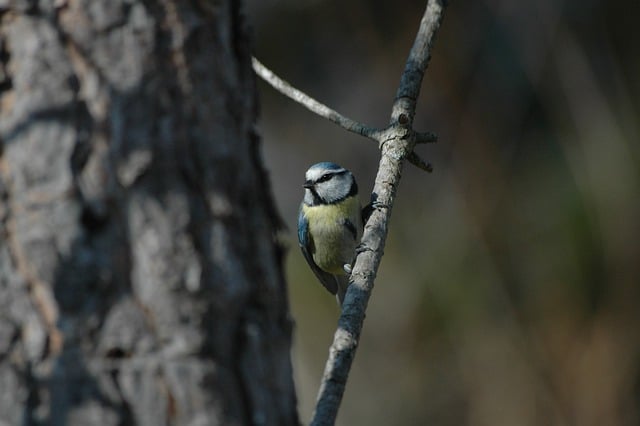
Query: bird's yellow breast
{"x": 333, "y": 245}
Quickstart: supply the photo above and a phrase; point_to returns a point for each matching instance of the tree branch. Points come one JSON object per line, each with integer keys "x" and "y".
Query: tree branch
{"x": 396, "y": 142}
{"x": 395, "y": 149}
{"x": 419, "y": 56}
{"x": 426, "y": 137}
{"x": 311, "y": 104}
{"x": 419, "y": 162}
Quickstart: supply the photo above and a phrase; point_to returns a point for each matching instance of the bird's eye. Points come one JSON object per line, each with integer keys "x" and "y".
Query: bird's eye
{"x": 324, "y": 177}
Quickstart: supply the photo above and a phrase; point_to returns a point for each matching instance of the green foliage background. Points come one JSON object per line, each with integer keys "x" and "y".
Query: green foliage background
{"x": 508, "y": 293}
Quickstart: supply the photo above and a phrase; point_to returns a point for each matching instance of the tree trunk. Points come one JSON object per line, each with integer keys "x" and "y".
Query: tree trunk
{"x": 139, "y": 278}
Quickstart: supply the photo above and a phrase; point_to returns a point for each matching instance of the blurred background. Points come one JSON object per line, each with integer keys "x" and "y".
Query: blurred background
{"x": 508, "y": 293}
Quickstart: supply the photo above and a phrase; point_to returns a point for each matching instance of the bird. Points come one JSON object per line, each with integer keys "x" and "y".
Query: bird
{"x": 330, "y": 224}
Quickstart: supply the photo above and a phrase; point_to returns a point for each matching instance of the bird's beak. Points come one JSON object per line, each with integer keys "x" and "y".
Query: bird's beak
{"x": 308, "y": 184}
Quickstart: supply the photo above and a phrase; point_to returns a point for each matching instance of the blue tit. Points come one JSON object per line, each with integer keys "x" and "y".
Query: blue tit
{"x": 330, "y": 224}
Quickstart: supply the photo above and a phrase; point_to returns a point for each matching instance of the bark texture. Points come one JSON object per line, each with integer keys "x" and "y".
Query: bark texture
{"x": 139, "y": 278}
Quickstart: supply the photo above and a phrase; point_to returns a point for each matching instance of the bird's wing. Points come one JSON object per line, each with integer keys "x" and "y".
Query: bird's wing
{"x": 306, "y": 245}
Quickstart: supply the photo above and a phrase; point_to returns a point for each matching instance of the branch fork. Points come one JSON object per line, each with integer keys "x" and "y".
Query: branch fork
{"x": 400, "y": 129}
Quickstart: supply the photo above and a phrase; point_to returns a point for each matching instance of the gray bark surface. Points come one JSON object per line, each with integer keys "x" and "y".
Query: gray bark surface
{"x": 139, "y": 278}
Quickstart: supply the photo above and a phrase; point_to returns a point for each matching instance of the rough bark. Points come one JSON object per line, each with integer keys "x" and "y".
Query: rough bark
{"x": 139, "y": 278}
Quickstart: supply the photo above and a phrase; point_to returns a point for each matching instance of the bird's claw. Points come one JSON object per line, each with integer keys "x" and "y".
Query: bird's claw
{"x": 361, "y": 248}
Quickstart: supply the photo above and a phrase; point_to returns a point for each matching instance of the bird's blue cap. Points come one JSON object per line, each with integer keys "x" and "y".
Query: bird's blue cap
{"x": 328, "y": 165}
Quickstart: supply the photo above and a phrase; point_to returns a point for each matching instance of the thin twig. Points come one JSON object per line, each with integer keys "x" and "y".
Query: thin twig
{"x": 426, "y": 137}
{"x": 311, "y": 104}
{"x": 394, "y": 150}
{"x": 415, "y": 159}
